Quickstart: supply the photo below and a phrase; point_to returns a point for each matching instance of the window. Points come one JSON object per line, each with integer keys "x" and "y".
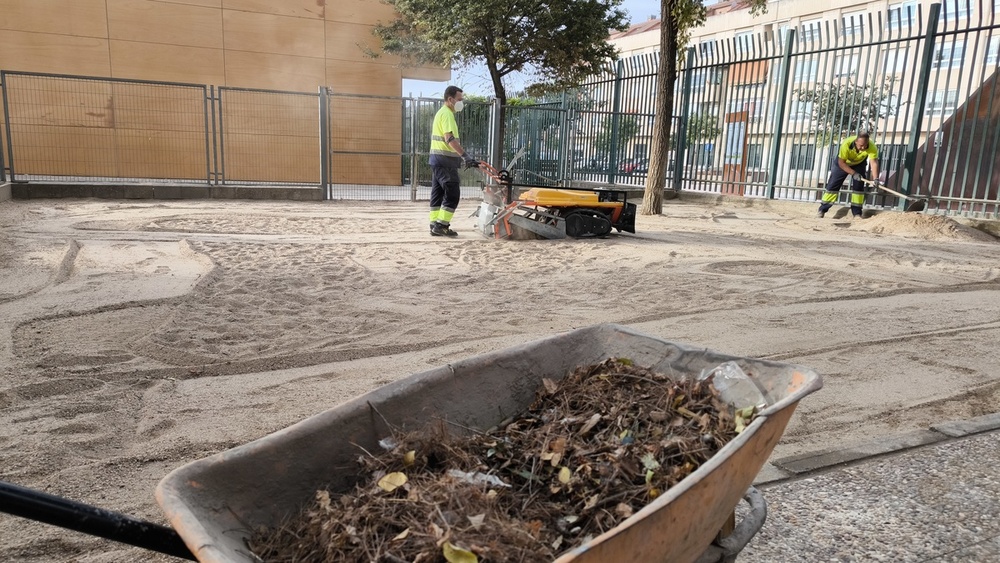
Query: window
{"x": 744, "y": 41}
{"x": 902, "y": 14}
{"x": 805, "y": 70}
{"x": 952, "y": 10}
{"x": 993, "y": 50}
{"x": 847, "y": 65}
{"x": 896, "y": 60}
{"x": 943, "y": 103}
{"x": 801, "y": 110}
{"x": 949, "y": 54}
{"x": 811, "y": 29}
{"x": 890, "y": 157}
{"x": 706, "y": 49}
{"x": 755, "y": 156}
{"x": 803, "y": 157}
{"x": 783, "y": 30}
{"x": 852, "y": 22}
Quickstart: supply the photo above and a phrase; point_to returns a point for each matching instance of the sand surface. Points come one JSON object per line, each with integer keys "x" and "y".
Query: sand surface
{"x": 135, "y": 337}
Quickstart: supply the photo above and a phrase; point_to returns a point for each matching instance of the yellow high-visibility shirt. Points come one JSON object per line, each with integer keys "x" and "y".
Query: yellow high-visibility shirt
{"x": 852, "y": 156}
{"x": 441, "y": 152}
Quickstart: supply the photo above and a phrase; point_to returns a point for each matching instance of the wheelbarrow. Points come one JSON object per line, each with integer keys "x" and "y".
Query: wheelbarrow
{"x": 214, "y": 503}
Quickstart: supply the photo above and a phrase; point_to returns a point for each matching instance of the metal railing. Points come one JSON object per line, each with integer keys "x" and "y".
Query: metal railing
{"x": 758, "y": 116}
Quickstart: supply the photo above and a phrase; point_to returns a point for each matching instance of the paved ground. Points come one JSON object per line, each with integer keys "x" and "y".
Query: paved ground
{"x": 937, "y": 502}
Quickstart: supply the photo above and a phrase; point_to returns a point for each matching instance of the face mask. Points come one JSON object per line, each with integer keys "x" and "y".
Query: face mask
{"x": 459, "y": 105}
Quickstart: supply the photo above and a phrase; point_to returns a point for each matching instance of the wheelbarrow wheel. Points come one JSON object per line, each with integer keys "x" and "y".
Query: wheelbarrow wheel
{"x": 727, "y": 548}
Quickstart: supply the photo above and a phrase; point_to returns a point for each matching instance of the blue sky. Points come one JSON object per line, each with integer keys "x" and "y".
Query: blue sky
{"x": 475, "y": 80}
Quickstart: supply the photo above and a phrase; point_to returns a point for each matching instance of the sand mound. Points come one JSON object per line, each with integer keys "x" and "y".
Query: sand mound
{"x": 917, "y": 225}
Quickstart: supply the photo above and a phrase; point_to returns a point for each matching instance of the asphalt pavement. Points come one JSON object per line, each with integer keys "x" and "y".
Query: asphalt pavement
{"x": 931, "y": 495}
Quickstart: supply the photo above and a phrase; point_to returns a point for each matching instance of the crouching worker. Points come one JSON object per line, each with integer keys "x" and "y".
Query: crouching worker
{"x": 852, "y": 160}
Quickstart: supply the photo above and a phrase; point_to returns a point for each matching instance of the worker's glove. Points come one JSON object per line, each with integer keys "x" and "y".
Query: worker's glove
{"x": 469, "y": 162}
{"x": 857, "y": 177}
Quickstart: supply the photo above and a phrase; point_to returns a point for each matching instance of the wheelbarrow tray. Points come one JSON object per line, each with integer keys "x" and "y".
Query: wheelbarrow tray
{"x": 214, "y": 503}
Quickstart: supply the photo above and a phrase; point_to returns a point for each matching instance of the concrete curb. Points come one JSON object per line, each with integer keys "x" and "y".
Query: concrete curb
{"x": 5, "y": 192}
{"x": 796, "y": 466}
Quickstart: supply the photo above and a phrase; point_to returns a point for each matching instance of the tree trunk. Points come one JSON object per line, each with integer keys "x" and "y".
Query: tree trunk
{"x": 501, "y": 94}
{"x": 652, "y": 199}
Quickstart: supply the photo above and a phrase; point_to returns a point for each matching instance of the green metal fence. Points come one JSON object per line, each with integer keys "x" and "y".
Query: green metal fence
{"x": 762, "y": 114}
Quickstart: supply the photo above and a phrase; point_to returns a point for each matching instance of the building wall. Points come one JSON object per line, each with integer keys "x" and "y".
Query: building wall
{"x": 295, "y": 45}
{"x": 291, "y": 45}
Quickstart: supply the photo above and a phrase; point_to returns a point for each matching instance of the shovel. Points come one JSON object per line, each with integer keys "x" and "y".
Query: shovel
{"x": 916, "y": 204}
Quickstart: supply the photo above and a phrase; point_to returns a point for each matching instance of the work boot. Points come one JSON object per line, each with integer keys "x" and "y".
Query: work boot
{"x": 820, "y": 214}
{"x": 441, "y": 230}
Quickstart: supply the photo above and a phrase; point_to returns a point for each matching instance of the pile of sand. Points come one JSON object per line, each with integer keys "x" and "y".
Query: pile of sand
{"x": 918, "y": 225}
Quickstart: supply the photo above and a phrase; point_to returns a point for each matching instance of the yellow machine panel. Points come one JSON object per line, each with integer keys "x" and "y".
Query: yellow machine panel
{"x": 552, "y": 197}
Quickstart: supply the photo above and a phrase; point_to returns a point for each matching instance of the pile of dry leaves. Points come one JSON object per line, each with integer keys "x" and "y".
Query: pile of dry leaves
{"x": 591, "y": 450}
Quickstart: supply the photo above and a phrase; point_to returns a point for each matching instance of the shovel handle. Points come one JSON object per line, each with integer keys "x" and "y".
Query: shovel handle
{"x": 65, "y": 513}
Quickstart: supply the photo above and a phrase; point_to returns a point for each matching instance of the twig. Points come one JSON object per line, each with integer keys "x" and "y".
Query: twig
{"x": 387, "y": 423}
{"x": 446, "y": 421}
{"x": 639, "y": 377}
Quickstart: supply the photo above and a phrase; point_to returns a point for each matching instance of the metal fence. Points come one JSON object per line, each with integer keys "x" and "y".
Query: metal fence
{"x": 759, "y": 115}
{"x": 762, "y": 114}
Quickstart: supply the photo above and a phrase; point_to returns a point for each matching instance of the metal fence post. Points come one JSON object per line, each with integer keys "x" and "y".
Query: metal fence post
{"x": 3, "y": 142}
{"x": 681, "y": 141}
{"x": 215, "y": 140}
{"x": 414, "y": 110}
{"x": 616, "y": 120}
{"x": 564, "y": 149}
{"x": 324, "y": 141}
{"x": 779, "y": 112}
{"x": 920, "y": 102}
{"x": 496, "y": 143}
{"x": 6, "y": 112}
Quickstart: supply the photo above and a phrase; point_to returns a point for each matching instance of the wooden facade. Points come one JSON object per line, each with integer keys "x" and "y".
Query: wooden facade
{"x": 92, "y": 128}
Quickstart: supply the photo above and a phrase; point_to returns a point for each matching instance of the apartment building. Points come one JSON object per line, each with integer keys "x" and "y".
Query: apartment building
{"x": 868, "y": 48}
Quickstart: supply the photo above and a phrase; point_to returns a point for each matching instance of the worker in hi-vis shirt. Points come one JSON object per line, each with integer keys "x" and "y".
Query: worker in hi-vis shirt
{"x": 852, "y": 160}
{"x": 447, "y": 156}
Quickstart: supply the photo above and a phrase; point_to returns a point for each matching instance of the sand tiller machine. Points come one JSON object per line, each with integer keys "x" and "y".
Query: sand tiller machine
{"x": 512, "y": 210}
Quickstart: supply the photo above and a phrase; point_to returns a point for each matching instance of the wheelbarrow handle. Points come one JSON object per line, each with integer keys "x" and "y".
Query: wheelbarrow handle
{"x": 58, "y": 511}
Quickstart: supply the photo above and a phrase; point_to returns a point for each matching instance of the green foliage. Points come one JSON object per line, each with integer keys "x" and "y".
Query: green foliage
{"x": 842, "y": 109}
{"x": 700, "y": 127}
{"x": 628, "y": 127}
{"x": 561, "y": 41}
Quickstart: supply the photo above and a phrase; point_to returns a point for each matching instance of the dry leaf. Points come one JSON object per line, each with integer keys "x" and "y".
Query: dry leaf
{"x": 402, "y": 535}
{"x": 623, "y": 510}
{"x": 649, "y": 461}
{"x": 392, "y": 481}
{"x": 550, "y": 385}
{"x": 436, "y": 531}
{"x": 565, "y": 475}
{"x": 590, "y": 424}
{"x": 591, "y": 502}
{"x": 323, "y": 498}
{"x": 535, "y": 527}
{"x": 558, "y": 445}
{"x": 657, "y": 416}
{"x": 556, "y": 458}
{"x": 458, "y": 555}
{"x": 477, "y": 520}
{"x": 492, "y": 494}
{"x": 409, "y": 458}
{"x": 558, "y": 543}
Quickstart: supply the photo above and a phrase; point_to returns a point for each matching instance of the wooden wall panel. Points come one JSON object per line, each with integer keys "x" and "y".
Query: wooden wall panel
{"x": 363, "y": 78}
{"x": 159, "y": 109}
{"x": 270, "y": 114}
{"x": 266, "y": 33}
{"x": 273, "y": 159}
{"x": 203, "y": 3}
{"x": 161, "y": 154}
{"x": 60, "y": 54}
{"x": 64, "y": 151}
{"x": 369, "y": 170}
{"x": 354, "y": 126}
{"x": 345, "y": 41}
{"x": 296, "y": 8}
{"x": 162, "y": 22}
{"x": 276, "y": 72}
{"x": 172, "y": 63}
{"x": 40, "y": 102}
{"x": 366, "y": 12}
{"x": 86, "y": 18}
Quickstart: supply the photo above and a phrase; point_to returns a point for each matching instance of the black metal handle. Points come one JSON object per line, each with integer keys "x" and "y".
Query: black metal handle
{"x": 50, "y": 509}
